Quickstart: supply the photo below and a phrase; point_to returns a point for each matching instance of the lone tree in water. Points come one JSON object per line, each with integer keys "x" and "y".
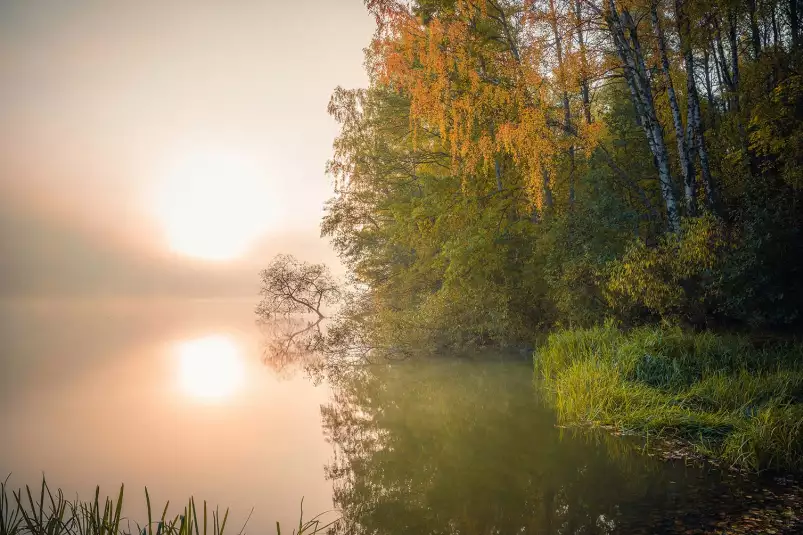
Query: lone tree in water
{"x": 290, "y": 286}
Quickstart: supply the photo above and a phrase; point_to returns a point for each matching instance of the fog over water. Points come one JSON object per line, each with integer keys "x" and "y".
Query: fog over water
{"x": 96, "y": 102}
{"x": 98, "y": 393}
{"x": 121, "y": 359}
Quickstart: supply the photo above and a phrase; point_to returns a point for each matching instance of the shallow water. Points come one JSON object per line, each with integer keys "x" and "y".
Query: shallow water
{"x": 174, "y": 395}
{"x": 471, "y": 448}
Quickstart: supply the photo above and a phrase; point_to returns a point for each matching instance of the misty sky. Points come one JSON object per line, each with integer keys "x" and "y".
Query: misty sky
{"x": 97, "y": 97}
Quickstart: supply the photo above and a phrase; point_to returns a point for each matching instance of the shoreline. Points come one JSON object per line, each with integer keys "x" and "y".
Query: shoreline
{"x": 772, "y": 502}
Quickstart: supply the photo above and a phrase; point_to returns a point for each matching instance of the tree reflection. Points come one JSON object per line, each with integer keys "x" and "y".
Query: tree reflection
{"x": 462, "y": 448}
{"x": 290, "y": 342}
{"x": 298, "y": 335}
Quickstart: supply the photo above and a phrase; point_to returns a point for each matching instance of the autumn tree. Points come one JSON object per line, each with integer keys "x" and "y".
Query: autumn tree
{"x": 513, "y": 162}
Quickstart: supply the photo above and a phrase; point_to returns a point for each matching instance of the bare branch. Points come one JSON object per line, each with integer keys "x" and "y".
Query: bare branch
{"x": 290, "y": 286}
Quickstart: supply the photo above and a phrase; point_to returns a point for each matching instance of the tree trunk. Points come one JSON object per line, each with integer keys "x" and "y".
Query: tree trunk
{"x": 635, "y": 72}
{"x": 705, "y": 166}
{"x": 694, "y": 124}
{"x": 686, "y": 163}
{"x": 755, "y": 33}
{"x": 734, "y": 49}
{"x": 709, "y": 92}
{"x": 794, "y": 23}
{"x": 726, "y": 81}
{"x": 547, "y": 189}
{"x": 696, "y": 130}
{"x": 723, "y": 74}
{"x": 775, "y": 31}
{"x": 511, "y": 41}
{"x": 567, "y": 112}
{"x": 584, "y": 90}
{"x": 720, "y": 82}
{"x": 734, "y": 104}
{"x": 497, "y": 163}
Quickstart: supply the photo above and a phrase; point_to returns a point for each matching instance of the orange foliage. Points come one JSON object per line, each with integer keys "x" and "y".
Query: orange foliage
{"x": 492, "y": 95}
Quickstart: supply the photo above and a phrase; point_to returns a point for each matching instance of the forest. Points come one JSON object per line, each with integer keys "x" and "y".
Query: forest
{"x": 517, "y": 166}
{"x": 613, "y": 187}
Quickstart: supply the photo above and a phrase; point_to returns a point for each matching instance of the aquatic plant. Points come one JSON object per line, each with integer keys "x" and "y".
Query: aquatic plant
{"x": 50, "y": 513}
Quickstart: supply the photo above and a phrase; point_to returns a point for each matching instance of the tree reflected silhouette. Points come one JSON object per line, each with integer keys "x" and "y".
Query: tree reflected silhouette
{"x": 468, "y": 448}
{"x": 290, "y": 342}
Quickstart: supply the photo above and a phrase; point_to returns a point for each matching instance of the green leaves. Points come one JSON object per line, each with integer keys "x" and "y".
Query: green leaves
{"x": 673, "y": 278}
{"x": 476, "y": 205}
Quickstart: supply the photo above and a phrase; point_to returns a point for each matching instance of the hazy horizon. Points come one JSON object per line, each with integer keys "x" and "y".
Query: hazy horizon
{"x": 98, "y": 99}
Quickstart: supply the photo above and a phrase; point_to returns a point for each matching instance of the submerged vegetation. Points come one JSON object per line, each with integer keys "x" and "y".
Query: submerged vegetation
{"x": 45, "y": 512}
{"x": 731, "y": 399}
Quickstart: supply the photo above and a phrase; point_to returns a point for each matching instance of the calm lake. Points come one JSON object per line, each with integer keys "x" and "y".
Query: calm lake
{"x": 174, "y": 395}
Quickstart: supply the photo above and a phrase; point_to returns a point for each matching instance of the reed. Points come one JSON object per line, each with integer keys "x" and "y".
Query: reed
{"x": 27, "y": 512}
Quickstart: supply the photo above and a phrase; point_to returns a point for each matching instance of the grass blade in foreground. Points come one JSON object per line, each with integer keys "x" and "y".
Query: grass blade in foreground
{"x": 53, "y": 514}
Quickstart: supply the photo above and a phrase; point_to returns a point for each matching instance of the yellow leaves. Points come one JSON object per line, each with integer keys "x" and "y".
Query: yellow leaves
{"x": 504, "y": 133}
{"x": 535, "y": 188}
{"x": 588, "y": 136}
{"x": 487, "y": 103}
{"x": 486, "y": 148}
{"x": 657, "y": 277}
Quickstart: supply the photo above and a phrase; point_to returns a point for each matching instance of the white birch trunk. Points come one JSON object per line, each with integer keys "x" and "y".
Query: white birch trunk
{"x": 639, "y": 85}
{"x": 686, "y": 163}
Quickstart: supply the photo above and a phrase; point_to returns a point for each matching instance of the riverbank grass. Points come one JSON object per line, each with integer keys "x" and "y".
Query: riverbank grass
{"x": 728, "y": 398}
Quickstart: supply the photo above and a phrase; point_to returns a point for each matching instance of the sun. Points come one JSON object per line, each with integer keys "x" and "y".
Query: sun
{"x": 210, "y": 368}
{"x": 213, "y": 204}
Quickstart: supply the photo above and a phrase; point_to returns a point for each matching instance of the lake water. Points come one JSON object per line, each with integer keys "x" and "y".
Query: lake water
{"x": 175, "y": 396}
{"x": 100, "y": 394}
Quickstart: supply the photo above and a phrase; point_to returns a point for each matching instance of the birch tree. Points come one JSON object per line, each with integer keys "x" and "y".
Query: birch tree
{"x": 626, "y": 39}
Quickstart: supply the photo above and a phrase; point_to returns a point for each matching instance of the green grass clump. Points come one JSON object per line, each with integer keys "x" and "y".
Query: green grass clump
{"x": 49, "y": 513}
{"x": 730, "y": 399}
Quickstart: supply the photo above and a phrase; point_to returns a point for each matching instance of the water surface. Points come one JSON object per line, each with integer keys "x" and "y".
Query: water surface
{"x": 175, "y": 396}
{"x": 455, "y": 447}
{"x": 103, "y": 393}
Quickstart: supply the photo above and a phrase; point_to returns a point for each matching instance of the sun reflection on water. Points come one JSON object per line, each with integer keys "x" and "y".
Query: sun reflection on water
{"x": 210, "y": 368}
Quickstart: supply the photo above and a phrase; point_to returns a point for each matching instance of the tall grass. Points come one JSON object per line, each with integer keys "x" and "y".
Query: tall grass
{"x": 731, "y": 399}
{"x": 48, "y": 513}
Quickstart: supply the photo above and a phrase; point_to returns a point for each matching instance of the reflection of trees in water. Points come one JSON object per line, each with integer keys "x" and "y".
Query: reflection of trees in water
{"x": 294, "y": 343}
{"x": 453, "y": 447}
{"x": 291, "y": 311}
{"x": 295, "y": 297}
{"x": 458, "y": 448}
{"x": 290, "y": 342}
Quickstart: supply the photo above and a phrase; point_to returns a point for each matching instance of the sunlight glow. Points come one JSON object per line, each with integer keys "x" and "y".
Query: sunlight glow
{"x": 210, "y": 368}
{"x": 213, "y": 204}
